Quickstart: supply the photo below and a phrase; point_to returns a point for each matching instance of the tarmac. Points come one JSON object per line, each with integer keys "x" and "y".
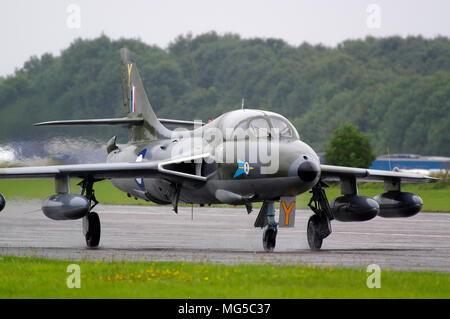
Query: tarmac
{"x": 226, "y": 236}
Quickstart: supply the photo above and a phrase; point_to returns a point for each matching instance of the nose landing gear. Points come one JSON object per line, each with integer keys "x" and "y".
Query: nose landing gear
{"x": 266, "y": 220}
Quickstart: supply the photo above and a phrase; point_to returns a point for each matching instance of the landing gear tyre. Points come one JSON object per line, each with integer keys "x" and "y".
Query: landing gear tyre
{"x": 313, "y": 233}
{"x": 2, "y": 202}
{"x": 269, "y": 239}
{"x": 93, "y": 230}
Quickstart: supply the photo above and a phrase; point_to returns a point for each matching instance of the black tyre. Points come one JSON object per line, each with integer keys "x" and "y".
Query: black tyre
{"x": 269, "y": 239}
{"x": 313, "y": 233}
{"x": 93, "y": 232}
{"x": 2, "y": 202}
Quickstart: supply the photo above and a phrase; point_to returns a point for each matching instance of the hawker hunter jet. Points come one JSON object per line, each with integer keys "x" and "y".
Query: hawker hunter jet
{"x": 240, "y": 158}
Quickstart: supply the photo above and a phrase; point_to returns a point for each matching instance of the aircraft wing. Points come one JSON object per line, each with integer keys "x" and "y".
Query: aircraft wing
{"x": 125, "y": 121}
{"x": 334, "y": 173}
{"x": 165, "y": 169}
{"x": 182, "y": 124}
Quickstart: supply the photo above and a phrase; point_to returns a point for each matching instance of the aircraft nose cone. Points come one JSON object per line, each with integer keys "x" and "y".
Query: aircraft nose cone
{"x": 308, "y": 171}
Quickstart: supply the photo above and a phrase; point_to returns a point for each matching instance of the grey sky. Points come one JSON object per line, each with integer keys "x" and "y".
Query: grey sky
{"x": 35, "y": 27}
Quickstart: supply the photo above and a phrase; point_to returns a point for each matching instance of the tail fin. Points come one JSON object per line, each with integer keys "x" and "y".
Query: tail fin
{"x": 136, "y": 102}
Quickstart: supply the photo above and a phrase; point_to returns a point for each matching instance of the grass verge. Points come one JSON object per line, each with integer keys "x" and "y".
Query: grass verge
{"x": 41, "y": 278}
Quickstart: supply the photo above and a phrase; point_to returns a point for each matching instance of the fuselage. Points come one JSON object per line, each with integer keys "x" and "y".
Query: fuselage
{"x": 252, "y": 156}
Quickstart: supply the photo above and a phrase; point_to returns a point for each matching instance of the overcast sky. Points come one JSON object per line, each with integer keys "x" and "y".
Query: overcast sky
{"x": 35, "y": 27}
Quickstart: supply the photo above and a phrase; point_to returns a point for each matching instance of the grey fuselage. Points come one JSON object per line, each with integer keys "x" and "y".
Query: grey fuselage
{"x": 241, "y": 178}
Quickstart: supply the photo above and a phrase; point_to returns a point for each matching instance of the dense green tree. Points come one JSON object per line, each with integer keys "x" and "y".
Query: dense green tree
{"x": 396, "y": 89}
{"x": 349, "y": 147}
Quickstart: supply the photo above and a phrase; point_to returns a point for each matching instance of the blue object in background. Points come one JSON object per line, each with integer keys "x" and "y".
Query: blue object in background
{"x": 429, "y": 165}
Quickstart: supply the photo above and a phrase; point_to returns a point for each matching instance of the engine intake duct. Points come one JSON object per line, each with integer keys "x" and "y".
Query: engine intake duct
{"x": 354, "y": 208}
{"x": 65, "y": 206}
{"x": 398, "y": 204}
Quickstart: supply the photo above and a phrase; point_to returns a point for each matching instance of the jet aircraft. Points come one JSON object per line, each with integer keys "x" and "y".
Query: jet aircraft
{"x": 217, "y": 163}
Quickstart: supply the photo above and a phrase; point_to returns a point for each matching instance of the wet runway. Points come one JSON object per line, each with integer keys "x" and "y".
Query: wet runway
{"x": 226, "y": 235}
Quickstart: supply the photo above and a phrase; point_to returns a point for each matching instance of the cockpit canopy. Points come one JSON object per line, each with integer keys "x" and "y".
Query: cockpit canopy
{"x": 241, "y": 124}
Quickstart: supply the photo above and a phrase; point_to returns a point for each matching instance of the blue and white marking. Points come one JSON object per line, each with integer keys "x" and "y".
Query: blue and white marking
{"x": 243, "y": 168}
{"x": 139, "y": 159}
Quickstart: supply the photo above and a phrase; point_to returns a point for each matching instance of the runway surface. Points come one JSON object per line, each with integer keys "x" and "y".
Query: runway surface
{"x": 226, "y": 235}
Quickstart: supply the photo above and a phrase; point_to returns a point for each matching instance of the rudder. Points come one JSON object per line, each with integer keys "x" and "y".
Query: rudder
{"x": 136, "y": 102}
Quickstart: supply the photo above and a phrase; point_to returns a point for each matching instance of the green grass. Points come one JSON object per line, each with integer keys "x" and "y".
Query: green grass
{"x": 40, "y": 278}
{"x": 436, "y": 196}
{"x": 105, "y": 192}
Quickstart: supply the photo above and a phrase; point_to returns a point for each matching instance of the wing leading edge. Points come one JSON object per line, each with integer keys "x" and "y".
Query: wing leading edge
{"x": 106, "y": 171}
{"x": 125, "y": 121}
{"x": 333, "y": 173}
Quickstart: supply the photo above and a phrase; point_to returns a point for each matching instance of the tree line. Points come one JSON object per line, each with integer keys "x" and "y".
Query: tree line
{"x": 395, "y": 89}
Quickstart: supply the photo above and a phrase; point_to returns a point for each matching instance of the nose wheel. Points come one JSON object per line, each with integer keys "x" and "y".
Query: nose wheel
{"x": 270, "y": 226}
{"x": 269, "y": 238}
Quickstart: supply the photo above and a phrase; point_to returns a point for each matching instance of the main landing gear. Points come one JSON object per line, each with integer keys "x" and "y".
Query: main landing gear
{"x": 319, "y": 226}
{"x": 91, "y": 222}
